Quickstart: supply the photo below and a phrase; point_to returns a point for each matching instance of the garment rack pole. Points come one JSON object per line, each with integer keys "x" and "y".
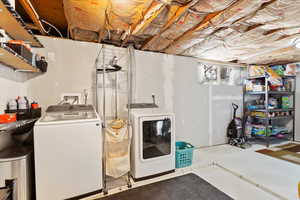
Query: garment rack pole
{"x": 105, "y": 191}
{"x": 129, "y": 90}
{"x": 129, "y": 87}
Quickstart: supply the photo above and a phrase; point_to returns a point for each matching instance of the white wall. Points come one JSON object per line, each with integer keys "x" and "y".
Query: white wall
{"x": 154, "y": 75}
{"x": 72, "y": 69}
{"x": 191, "y": 103}
{"x": 200, "y": 119}
{"x": 202, "y": 111}
{"x": 221, "y": 99}
{"x": 12, "y": 84}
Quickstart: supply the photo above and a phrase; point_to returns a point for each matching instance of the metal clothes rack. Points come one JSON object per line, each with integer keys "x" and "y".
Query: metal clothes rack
{"x": 268, "y": 121}
{"x": 103, "y": 71}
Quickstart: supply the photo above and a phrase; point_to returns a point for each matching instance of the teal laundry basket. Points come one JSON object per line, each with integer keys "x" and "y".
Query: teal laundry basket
{"x": 184, "y": 154}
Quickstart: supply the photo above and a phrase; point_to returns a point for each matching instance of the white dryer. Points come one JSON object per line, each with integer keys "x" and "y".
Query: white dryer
{"x": 68, "y": 152}
{"x": 153, "y": 144}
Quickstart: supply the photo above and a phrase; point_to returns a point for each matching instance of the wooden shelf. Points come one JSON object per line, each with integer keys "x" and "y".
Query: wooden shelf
{"x": 15, "y": 27}
{"x": 10, "y": 58}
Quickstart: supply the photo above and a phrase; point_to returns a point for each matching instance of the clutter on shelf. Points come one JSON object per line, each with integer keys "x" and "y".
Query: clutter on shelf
{"x": 15, "y": 38}
{"x": 260, "y": 130}
{"x": 24, "y": 50}
{"x": 274, "y": 102}
{"x": 255, "y": 71}
{"x": 269, "y": 96}
{"x": 14, "y": 25}
{"x": 20, "y": 108}
{"x": 16, "y": 41}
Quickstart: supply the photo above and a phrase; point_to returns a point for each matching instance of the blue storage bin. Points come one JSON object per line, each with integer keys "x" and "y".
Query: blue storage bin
{"x": 184, "y": 154}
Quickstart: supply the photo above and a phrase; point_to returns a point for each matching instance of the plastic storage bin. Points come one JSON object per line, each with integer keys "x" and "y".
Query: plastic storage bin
{"x": 184, "y": 154}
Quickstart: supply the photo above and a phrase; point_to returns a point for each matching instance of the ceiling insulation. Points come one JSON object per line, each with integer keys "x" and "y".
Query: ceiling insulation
{"x": 220, "y": 20}
{"x": 85, "y": 18}
{"x": 243, "y": 31}
{"x": 158, "y": 23}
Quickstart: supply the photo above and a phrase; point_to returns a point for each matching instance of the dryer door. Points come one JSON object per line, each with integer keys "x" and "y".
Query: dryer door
{"x": 156, "y": 137}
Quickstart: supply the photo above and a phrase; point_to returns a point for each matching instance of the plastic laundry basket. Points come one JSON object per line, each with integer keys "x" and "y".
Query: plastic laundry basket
{"x": 184, "y": 154}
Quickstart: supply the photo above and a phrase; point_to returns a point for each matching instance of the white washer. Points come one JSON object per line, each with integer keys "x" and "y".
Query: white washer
{"x": 68, "y": 152}
{"x": 153, "y": 145}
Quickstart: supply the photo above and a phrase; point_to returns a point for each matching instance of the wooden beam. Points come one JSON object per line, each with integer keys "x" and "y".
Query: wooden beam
{"x": 180, "y": 11}
{"x": 223, "y": 63}
{"x": 202, "y": 25}
{"x": 26, "y": 4}
{"x": 9, "y": 21}
{"x": 101, "y": 35}
{"x": 151, "y": 13}
{"x": 32, "y": 26}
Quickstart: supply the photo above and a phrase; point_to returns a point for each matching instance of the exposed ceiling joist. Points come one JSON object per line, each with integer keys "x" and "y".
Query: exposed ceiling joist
{"x": 26, "y": 4}
{"x": 216, "y": 62}
{"x": 202, "y": 25}
{"x": 243, "y": 31}
{"x": 180, "y": 11}
{"x": 32, "y": 26}
{"x": 151, "y": 13}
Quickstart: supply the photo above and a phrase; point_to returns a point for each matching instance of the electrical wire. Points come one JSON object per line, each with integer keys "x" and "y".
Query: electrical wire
{"x": 44, "y": 21}
{"x": 52, "y": 27}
